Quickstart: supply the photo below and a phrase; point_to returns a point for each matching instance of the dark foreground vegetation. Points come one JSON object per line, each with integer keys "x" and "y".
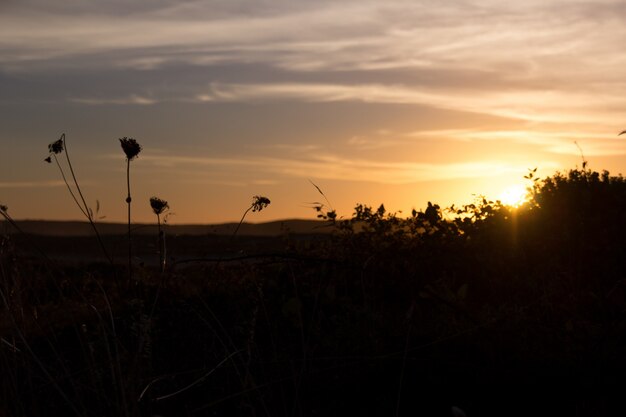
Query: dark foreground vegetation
{"x": 495, "y": 310}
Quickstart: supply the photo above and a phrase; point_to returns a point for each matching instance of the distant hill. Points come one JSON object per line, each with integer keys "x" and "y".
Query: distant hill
{"x": 77, "y": 228}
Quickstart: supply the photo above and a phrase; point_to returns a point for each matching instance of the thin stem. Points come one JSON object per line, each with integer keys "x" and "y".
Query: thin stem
{"x": 84, "y": 210}
{"x": 241, "y": 221}
{"x": 323, "y": 195}
{"x": 194, "y": 383}
{"x": 128, "y": 200}
{"x": 582, "y": 156}
{"x": 68, "y": 187}
{"x": 161, "y": 243}
{"x": 69, "y": 163}
{"x": 116, "y": 367}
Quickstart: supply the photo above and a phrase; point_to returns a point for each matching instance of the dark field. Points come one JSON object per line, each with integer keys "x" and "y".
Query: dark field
{"x": 497, "y": 311}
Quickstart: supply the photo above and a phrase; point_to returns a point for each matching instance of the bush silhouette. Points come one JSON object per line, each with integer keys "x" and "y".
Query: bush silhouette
{"x": 356, "y": 322}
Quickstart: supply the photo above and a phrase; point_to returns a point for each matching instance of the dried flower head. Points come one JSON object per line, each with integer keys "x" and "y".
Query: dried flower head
{"x": 259, "y": 202}
{"x": 56, "y": 147}
{"x": 48, "y": 160}
{"x": 130, "y": 147}
{"x": 158, "y": 205}
{"x": 3, "y": 208}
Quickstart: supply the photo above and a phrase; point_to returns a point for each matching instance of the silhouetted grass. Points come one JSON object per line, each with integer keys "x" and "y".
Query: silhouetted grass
{"x": 482, "y": 306}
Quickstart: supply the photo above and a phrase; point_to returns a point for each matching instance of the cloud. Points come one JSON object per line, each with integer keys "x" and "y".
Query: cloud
{"x": 132, "y": 99}
{"x": 542, "y": 62}
{"x": 333, "y": 167}
{"x": 559, "y": 142}
{"x": 534, "y": 105}
{"x": 369, "y": 35}
{"x": 377, "y": 142}
{"x": 31, "y": 184}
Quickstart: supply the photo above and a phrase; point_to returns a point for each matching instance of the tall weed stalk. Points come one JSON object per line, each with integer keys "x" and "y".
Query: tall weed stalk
{"x": 159, "y": 206}
{"x": 55, "y": 148}
{"x": 258, "y": 204}
{"x": 131, "y": 149}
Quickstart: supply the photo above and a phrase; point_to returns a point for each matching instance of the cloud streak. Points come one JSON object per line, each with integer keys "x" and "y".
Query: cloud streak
{"x": 559, "y": 142}
{"x": 533, "y": 105}
{"x": 333, "y": 167}
{"x": 31, "y": 184}
{"x": 131, "y": 100}
{"x": 564, "y": 66}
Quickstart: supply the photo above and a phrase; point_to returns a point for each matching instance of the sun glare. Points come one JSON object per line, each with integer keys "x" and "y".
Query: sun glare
{"x": 513, "y": 196}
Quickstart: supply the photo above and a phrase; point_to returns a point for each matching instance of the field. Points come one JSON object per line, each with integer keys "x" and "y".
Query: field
{"x": 492, "y": 309}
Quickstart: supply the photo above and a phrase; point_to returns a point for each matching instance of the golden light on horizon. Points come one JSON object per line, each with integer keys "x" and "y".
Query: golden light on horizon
{"x": 401, "y": 104}
{"x": 514, "y": 195}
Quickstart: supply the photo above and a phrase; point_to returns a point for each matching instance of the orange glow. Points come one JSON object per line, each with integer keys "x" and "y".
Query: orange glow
{"x": 514, "y": 195}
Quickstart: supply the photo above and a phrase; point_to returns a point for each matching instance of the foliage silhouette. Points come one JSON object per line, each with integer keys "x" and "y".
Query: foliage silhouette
{"x": 482, "y": 294}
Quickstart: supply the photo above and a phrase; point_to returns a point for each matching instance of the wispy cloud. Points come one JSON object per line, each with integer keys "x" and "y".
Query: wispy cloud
{"x": 132, "y": 100}
{"x": 560, "y": 141}
{"x": 334, "y": 167}
{"x": 536, "y": 61}
{"x": 292, "y": 148}
{"x": 31, "y": 184}
{"x": 533, "y": 105}
{"x": 377, "y": 141}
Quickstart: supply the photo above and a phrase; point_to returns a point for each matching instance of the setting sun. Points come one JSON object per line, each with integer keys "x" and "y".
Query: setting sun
{"x": 514, "y": 195}
{"x": 225, "y": 207}
{"x": 401, "y": 102}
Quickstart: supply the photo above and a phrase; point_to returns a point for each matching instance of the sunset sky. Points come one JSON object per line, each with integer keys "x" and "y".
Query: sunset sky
{"x": 395, "y": 102}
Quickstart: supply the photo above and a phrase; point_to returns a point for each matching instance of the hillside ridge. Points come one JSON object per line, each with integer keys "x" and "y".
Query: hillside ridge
{"x": 81, "y": 228}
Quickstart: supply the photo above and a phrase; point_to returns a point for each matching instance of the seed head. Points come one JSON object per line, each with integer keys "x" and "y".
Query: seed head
{"x": 3, "y": 208}
{"x": 130, "y": 147}
{"x": 56, "y": 147}
{"x": 158, "y": 205}
{"x": 48, "y": 160}
{"x": 259, "y": 202}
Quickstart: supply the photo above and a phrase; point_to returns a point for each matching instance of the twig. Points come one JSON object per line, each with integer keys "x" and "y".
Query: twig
{"x": 323, "y": 195}
{"x": 582, "y": 156}
{"x": 193, "y": 384}
{"x": 241, "y": 221}
{"x": 129, "y": 200}
{"x": 84, "y": 208}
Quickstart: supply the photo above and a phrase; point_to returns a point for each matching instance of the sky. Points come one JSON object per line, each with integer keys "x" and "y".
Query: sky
{"x": 395, "y": 102}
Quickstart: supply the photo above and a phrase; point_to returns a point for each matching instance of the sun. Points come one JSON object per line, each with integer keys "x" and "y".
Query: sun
{"x": 514, "y": 195}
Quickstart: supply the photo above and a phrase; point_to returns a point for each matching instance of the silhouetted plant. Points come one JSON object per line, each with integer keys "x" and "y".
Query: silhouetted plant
{"x": 258, "y": 204}
{"x": 582, "y": 200}
{"x": 323, "y": 213}
{"x": 4, "y": 213}
{"x": 582, "y": 155}
{"x": 55, "y": 148}
{"x": 131, "y": 149}
{"x": 159, "y": 206}
{"x": 540, "y": 283}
